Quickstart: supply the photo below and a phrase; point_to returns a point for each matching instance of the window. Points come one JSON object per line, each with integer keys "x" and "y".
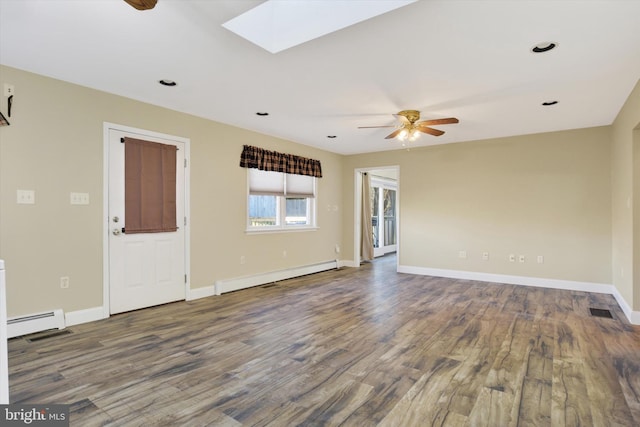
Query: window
{"x": 280, "y": 201}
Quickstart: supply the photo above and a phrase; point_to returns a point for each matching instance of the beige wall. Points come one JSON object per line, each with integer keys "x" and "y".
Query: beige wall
{"x": 623, "y": 220}
{"x": 546, "y": 194}
{"x": 55, "y": 146}
{"x": 562, "y": 195}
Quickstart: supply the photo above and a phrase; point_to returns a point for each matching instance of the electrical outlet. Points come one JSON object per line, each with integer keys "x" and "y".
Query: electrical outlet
{"x": 521, "y": 258}
{"x": 26, "y": 197}
{"x": 337, "y": 248}
{"x": 540, "y": 259}
{"x": 512, "y": 258}
{"x": 243, "y": 260}
{"x": 9, "y": 90}
{"x": 462, "y": 254}
{"x": 64, "y": 282}
{"x": 485, "y": 256}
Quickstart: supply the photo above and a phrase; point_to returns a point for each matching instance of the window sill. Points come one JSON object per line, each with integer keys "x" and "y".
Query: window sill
{"x": 280, "y": 230}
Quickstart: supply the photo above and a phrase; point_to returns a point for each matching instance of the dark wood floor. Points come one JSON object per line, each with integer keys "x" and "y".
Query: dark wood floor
{"x": 352, "y": 347}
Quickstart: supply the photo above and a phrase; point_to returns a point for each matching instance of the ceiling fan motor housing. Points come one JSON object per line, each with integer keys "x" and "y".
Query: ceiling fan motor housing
{"x": 411, "y": 115}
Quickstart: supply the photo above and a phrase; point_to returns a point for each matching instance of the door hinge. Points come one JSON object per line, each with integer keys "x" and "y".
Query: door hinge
{"x": 185, "y": 221}
{"x": 185, "y": 163}
{"x": 185, "y": 278}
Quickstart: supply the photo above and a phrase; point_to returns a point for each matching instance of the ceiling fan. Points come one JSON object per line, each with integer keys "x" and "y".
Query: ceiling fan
{"x": 409, "y": 126}
{"x": 142, "y": 4}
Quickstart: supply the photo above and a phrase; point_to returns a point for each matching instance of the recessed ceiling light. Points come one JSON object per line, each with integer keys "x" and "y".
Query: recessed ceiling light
{"x": 546, "y": 104}
{"x": 262, "y": 113}
{"x": 166, "y": 82}
{"x": 331, "y": 136}
{"x": 544, "y": 47}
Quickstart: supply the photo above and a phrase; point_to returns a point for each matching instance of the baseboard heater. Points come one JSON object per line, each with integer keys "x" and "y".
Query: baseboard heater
{"x": 231, "y": 285}
{"x": 23, "y": 325}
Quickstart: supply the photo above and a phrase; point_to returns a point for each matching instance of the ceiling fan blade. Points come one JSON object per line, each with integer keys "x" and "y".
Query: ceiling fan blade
{"x": 371, "y": 127}
{"x": 142, "y": 4}
{"x": 403, "y": 120}
{"x": 447, "y": 121}
{"x": 430, "y": 131}
{"x": 393, "y": 134}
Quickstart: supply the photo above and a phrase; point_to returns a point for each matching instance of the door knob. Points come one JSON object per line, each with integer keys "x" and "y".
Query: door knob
{"x": 116, "y": 219}
{"x": 116, "y": 231}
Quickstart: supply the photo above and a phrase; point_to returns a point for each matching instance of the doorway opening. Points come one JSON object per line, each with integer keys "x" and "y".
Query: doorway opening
{"x": 384, "y": 203}
{"x": 383, "y": 214}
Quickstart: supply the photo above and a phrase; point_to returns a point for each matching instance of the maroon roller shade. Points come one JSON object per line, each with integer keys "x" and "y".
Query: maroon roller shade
{"x": 150, "y": 186}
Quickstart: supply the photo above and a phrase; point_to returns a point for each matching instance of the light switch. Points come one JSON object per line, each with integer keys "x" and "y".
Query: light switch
{"x": 79, "y": 198}
{"x": 26, "y": 197}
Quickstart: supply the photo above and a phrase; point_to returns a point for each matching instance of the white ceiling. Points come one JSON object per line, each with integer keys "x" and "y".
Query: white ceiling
{"x": 453, "y": 58}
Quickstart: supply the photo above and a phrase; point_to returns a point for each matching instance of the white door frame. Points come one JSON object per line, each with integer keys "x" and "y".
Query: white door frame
{"x": 357, "y": 217}
{"x": 105, "y": 205}
{"x": 385, "y": 184}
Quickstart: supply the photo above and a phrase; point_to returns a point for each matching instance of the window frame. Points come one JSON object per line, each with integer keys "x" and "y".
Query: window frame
{"x": 281, "y": 214}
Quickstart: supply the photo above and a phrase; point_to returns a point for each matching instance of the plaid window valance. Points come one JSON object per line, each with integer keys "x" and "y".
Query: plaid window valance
{"x": 259, "y": 158}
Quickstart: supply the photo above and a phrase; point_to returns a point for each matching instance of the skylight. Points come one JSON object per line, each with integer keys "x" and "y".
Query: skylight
{"x": 276, "y": 25}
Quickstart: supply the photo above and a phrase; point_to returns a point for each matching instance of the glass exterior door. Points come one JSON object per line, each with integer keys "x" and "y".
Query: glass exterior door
{"x": 383, "y": 216}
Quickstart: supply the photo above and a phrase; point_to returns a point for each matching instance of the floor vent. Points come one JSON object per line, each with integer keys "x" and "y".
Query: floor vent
{"x": 46, "y": 335}
{"x": 601, "y": 312}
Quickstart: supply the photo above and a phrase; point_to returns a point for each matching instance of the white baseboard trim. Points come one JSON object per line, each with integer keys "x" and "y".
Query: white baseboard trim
{"x": 84, "y": 316}
{"x": 203, "y": 292}
{"x": 229, "y": 285}
{"x": 510, "y": 280}
{"x": 570, "y": 285}
{"x": 222, "y": 286}
{"x": 633, "y": 316}
{"x": 347, "y": 263}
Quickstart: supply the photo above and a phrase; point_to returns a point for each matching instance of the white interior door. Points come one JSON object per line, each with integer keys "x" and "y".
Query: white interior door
{"x": 145, "y": 269}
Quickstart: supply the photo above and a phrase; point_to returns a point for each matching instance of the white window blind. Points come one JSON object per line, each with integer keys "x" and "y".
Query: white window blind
{"x": 280, "y": 184}
{"x": 266, "y": 183}
{"x": 299, "y": 186}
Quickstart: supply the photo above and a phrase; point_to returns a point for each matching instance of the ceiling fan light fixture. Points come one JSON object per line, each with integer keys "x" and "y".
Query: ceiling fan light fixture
{"x": 409, "y": 128}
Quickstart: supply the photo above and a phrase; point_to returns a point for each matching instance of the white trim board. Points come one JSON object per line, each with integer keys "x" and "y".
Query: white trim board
{"x": 347, "y": 263}
{"x": 568, "y": 285}
{"x": 202, "y": 292}
{"x": 633, "y": 316}
{"x": 84, "y": 316}
{"x": 235, "y": 284}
